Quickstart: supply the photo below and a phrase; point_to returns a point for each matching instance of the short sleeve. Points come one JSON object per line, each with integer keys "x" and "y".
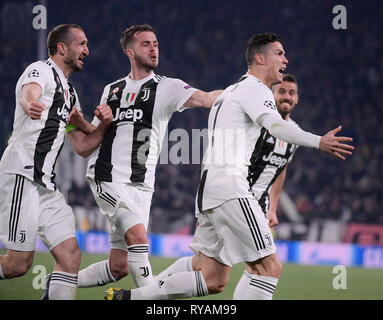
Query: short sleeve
{"x": 177, "y": 93}
{"x": 104, "y": 97}
{"x": 38, "y": 73}
{"x": 256, "y": 101}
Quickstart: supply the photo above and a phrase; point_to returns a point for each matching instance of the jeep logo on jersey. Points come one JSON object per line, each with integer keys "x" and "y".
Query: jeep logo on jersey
{"x": 128, "y": 115}
{"x": 63, "y": 113}
{"x": 275, "y": 160}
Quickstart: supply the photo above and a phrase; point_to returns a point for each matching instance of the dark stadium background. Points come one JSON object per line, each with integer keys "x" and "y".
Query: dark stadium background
{"x": 340, "y": 75}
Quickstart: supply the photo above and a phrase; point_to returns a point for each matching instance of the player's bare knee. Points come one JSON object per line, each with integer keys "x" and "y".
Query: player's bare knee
{"x": 136, "y": 235}
{"x": 119, "y": 269}
{"x": 68, "y": 256}
{"x": 273, "y": 267}
{"x": 19, "y": 266}
{"x": 215, "y": 286}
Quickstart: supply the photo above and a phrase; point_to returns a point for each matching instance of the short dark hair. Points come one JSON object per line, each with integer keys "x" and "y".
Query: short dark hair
{"x": 127, "y": 36}
{"x": 60, "y": 33}
{"x": 287, "y": 78}
{"x": 290, "y": 78}
{"x": 258, "y": 43}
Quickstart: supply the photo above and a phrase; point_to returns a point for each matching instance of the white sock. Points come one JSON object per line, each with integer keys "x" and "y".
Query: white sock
{"x": 178, "y": 286}
{"x": 241, "y": 288}
{"x": 97, "y": 274}
{"x": 260, "y": 287}
{"x": 62, "y": 286}
{"x": 1, "y": 273}
{"x": 139, "y": 265}
{"x": 180, "y": 265}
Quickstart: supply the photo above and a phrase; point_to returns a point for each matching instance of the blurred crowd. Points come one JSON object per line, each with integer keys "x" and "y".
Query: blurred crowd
{"x": 340, "y": 75}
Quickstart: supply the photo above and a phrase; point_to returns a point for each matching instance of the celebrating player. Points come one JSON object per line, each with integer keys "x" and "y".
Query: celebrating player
{"x": 267, "y": 173}
{"x": 30, "y": 203}
{"x": 121, "y": 171}
{"x": 232, "y": 227}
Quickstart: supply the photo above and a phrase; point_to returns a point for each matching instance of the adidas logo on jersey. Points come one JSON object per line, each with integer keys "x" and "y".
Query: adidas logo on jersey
{"x": 275, "y": 160}
{"x": 133, "y": 115}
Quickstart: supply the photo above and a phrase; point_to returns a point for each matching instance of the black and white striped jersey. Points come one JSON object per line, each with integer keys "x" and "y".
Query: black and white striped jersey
{"x": 141, "y": 110}
{"x": 35, "y": 145}
{"x": 273, "y": 158}
{"x": 235, "y": 141}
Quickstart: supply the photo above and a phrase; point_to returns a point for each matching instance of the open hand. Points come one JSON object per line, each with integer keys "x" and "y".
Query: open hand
{"x": 331, "y": 144}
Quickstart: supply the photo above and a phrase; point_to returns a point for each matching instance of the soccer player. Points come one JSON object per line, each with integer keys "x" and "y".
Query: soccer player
{"x": 121, "y": 171}
{"x": 232, "y": 227}
{"x": 267, "y": 172}
{"x": 30, "y": 203}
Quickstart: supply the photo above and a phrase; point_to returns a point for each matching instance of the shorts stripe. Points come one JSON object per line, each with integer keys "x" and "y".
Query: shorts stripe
{"x": 105, "y": 198}
{"x": 15, "y": 207}
{"x": 258, "y": 230}
{"x": 252, "y": 223}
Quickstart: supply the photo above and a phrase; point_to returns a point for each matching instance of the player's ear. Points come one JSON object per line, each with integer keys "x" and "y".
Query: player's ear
{"x": 259, "y": 58}
{"x": 129, "y": 52}
{"x": 61, "y": 48}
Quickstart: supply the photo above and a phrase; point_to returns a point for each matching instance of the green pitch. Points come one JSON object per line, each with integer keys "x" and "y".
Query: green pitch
{"x": 296, "y": 283}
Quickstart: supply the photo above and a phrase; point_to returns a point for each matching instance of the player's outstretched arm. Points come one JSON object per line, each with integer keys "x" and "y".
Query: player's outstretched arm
{"x": 284, "y": 130}
{"x": 85, "y": 144}
{"x": 202, "y": 99}
{"x": 31, "y": 92}
{"x": 334, "y": 145}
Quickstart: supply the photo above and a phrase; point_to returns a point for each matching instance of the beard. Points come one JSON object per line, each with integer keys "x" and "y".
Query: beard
{"x": 146, "y": 63}
{"x": 71, "y": 61}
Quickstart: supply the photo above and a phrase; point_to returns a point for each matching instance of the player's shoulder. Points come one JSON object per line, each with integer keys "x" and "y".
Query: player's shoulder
{"x": 38, "y": 66}
{"x": 251, "y": 83}
{"x": 116, "y": 82}
{"x": 249, "y": 87}
{"x": 169, "y": 83}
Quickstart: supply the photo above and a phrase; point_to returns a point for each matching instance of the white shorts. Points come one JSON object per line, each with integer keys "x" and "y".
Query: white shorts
{"x": 125, "y": 206}
{"x": 28, "y": 210}
{"x": 236, "y": 231}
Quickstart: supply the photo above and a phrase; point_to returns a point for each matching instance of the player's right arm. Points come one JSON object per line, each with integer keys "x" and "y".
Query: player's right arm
{"x": 30, "y": 93}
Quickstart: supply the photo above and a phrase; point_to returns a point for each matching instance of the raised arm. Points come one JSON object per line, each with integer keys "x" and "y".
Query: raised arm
{"x": 30, "y": 93}
{"x": 202, "y": 98}
{"x": 85, "y": 143}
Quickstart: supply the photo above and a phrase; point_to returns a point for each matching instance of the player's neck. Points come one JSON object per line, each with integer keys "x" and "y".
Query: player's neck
{"x": 139, "y": 73}
{"x": 66, "y": 70}
{"x": 259, "y": 75}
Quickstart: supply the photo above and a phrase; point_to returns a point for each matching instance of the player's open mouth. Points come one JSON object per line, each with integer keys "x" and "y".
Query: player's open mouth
{"x": 282, "y": 70}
